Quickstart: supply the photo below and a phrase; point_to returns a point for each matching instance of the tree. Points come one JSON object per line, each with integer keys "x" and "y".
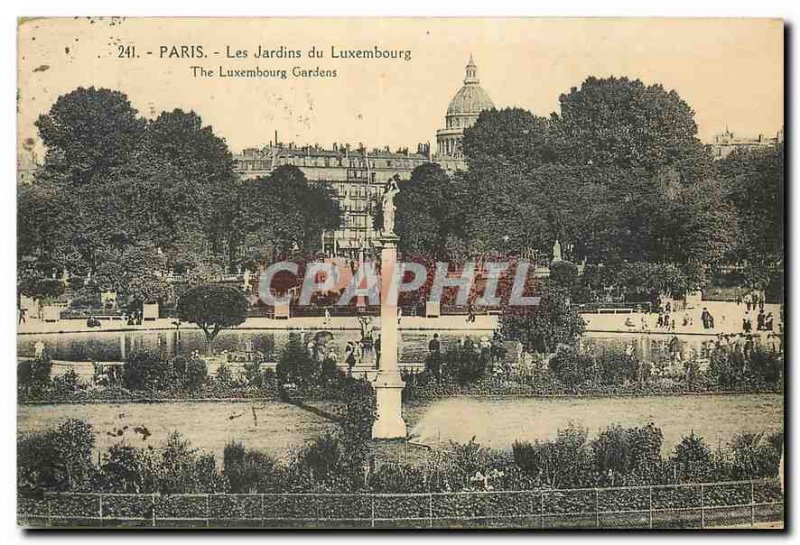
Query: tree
{"x": 429, "y": 211}
{"x": 136, "y": 273}
{"x": 88, "y": 133}
{"x": 542, "y": 328}
{"x": 622, "y": 122}
{"x": 213, "y": 308}
{"x": 512, "y": 135}
{"x": 205, "y": 163}
{"x": 754, "y": 185}
{"x": 283, "y": 210}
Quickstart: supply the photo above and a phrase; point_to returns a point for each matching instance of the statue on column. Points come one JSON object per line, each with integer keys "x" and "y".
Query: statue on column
{"x": 389, "y": 208}
{"x": 557, "y": 251}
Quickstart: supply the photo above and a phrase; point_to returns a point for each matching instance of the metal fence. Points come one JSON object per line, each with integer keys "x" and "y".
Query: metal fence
{"x": 665, "y": 506}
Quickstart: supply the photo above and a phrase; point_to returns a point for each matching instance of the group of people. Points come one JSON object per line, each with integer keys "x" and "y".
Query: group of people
{"x": 492, "y": 352}
{"x": 764, "y": 321}
{"x": 356, "y": 352}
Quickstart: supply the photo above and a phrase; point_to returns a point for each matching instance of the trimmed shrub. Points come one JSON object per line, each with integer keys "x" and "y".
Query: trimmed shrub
{"x": 144, "y": 370}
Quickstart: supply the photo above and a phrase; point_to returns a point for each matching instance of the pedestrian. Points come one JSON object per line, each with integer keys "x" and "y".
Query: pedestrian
{"x": 704, "y": 317}
{"x": 434, "y": 358}
{"x": 327, "y": 320}
{"x": 471, "y": 313}
{"x": 434, "y": 345}
{"x": 377, "y": 346}
{"x": 768, "y": 322}
{"x": 38, "y": 350}
{"x": 350, "y": 357}
{"x": 22, "y": 311}
{"x": 760, "y": 320}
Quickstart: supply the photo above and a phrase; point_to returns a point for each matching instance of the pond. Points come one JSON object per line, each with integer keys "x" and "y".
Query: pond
{"x": 114, "y": 346}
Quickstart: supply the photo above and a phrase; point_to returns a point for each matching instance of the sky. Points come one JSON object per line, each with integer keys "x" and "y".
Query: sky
{"x": 730, "y": 71}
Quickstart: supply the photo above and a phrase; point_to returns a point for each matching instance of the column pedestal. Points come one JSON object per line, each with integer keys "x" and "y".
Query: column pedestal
{"x": 388, "y": 385}
{"x": 389, "y": 423}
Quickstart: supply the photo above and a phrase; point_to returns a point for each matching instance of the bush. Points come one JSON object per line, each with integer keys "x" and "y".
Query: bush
{"x": 57, "y": 460}
{"x": 562, "y": 463}
{"x": 462, "y": 365}
{"x": 628, "y": 455}
{"x": 616, "y": 367}
{"x": 191, "y": 373}
{"x": 734, "y": 370}
{"x": 224, "y": 376}
{"x": 250, "y": 471}
{"x": 295, "y": 365}
{"x": 144, "y": 370}
{"x": 123, "y": 469}
{"x": 692, "y": 460}
{"x": 563, "y": 273}
{"x": 571, "y": 368}
{"x": 323, "y": 462}
{"x": 66, "y": 384}
{"x": 398, "y": 478}
{"x": 34, "y": 374}
{"x": 754, "y": 456}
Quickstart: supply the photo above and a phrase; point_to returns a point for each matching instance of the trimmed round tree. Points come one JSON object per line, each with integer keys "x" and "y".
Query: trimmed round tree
{"x": 213, "y": 308}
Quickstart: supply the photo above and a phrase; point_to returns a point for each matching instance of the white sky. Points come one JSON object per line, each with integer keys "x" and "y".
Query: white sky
{"x": 729, "y": 70}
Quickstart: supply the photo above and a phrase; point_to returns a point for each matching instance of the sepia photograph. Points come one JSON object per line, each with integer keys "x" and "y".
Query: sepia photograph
{"x": 400, "y": 273}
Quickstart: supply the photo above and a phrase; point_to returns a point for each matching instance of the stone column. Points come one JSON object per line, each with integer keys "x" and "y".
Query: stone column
{"x": 388, "y": 385}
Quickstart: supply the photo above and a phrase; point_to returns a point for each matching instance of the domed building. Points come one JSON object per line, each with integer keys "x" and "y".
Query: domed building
{"x": 462, "y": 112}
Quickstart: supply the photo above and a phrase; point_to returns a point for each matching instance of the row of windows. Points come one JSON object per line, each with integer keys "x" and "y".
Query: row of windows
{"x": 265, "y": 164}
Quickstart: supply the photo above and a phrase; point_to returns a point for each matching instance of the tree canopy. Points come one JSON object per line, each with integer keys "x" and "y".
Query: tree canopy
{"x": 213, "y": 308}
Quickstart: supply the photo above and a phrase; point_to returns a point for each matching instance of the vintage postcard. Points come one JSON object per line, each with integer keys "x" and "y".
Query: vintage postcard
{"x": 400, "y": 273}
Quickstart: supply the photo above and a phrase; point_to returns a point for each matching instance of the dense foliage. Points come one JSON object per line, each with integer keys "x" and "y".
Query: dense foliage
{"x": 62, "y": 460}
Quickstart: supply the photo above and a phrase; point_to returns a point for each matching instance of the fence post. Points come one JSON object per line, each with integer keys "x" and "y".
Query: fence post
{"x": 208, "y": 512}
{"x": 101, "y": 510}
{"x": 752, "y": 504}
{"x": 153, "y": 508}
{"x": 597, "y": 507}
{"x": 263, "y": 518}
{"x": 541, "y": 509}
{"x": 650, "y": 509}
{"x": 702, "y": 506}
{"x": 49, "y": 511}
{"x": 372, "y": 509}
{"x": 430, "y": 510}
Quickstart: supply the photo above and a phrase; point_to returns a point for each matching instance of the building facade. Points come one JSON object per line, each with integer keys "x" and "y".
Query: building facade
{"x": 358, "y": 176}
{"x": 725, "y": 143}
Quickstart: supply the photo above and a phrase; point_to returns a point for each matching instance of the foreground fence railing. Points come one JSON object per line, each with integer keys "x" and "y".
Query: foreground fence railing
{"x": 663, "y": 506}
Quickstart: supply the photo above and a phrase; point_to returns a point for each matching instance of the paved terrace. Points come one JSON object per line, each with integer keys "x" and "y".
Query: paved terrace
{"x": 727, "y": 319}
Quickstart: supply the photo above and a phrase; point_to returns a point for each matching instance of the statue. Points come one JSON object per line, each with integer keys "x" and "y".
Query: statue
{"x": 367, "y": 328}
{"x": 557, "y": 251}
{"x": 389, "y": 194}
